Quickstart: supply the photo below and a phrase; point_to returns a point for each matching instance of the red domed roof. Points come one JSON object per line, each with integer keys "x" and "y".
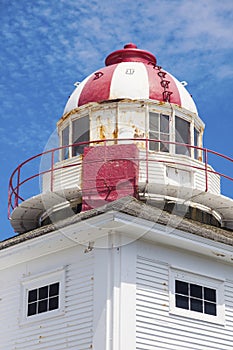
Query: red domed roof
{"x": 130, "y": 73}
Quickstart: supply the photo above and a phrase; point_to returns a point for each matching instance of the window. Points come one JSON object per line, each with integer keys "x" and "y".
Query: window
{"x": 43, "y": 299}
{"x": 65, "y": 141}
{"x": 196, "y": 143}
{"x": 196, "y": 296}
{"x": 80, "y": 133}
{"x": 42, "y": 296}
{"x": 182, "y": 135}
{"x": 159, "y": 130}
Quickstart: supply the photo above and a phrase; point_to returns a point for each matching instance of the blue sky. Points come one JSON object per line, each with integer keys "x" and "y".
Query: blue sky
{"x": 46, "y": 46}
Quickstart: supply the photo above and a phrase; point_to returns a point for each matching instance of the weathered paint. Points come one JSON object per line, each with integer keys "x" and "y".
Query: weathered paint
{"x": 109, "y": 173}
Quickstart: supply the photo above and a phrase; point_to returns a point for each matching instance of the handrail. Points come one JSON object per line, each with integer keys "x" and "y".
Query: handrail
{"x": 14, "y": 190}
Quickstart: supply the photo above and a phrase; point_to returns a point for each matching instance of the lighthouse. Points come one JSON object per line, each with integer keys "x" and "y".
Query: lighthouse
{"x": 128, "y": 242}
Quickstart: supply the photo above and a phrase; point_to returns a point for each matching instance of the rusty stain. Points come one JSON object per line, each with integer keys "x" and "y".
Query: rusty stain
{"x": 115, "y": 133}
{"x": 138, "y": 133}
{"x": 140, "y": 144}
{"x": 161, "y": 103}
{"x": 102, "y": 132}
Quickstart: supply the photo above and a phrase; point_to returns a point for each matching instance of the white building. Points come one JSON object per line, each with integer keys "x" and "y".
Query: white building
{"x": 129, "y": 245}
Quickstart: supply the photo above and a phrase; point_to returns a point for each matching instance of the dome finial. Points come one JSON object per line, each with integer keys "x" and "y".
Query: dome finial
{"x": 130, "y": 46}
{"x": 130, "y": 53}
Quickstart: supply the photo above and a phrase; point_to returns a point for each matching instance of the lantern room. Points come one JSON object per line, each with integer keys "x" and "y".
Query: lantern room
{"x": 124, "y": 121}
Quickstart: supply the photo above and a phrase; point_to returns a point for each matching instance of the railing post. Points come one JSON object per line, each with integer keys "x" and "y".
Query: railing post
{"x": 52, "y": 171}
{"x": 16, "y": 201}
{"x": 8, "y": 205}
{"x": 206, "y": 170}
{"x": 147, "y": 156}
{"x": 105, "y": 146}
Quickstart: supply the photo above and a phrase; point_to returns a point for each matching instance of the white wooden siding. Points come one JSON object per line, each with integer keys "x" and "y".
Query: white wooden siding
{"x": 71, "y": 330}
{"x": 64, "y": 177}
{"x": 229, "y": 305}
{"x": 213, "y": 181}
{"x": 158, "y": 174}
{"x": 157, "y": 329}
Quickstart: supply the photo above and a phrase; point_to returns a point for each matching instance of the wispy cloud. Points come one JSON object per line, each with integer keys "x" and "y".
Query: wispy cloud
{"x": 47, "y": 46}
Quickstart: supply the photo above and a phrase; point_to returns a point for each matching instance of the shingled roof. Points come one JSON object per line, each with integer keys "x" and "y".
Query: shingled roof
{"x": 134, "y": 208}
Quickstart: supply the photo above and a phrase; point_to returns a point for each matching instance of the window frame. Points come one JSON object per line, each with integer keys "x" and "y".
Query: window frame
{"x": 36, "y": 282}
{"x": 193, "y": 124}
{"x": 75, "y": 139}
{"x": 65, "y": 152}
{"x": 160, "y": 133}
{"x": 38, "y": 303}
{"x": 179, "y": 149}
{"x": 196, "y": 143}
{"x": 200, "y": 280}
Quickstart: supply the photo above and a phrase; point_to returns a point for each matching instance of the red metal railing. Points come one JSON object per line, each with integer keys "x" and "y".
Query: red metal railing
{"x": 17, "y": 181}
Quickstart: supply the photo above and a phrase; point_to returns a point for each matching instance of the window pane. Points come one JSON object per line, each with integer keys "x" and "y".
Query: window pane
{"x": 53, "y": 303}
{"x": 210, "y": 294}
{"x": 182, "y": 135}
{"x": 32, "y": 309}
{"x": 196, "y": 137}
{"x": 196, "y": 305}
{"x": 42, "y": 306}
{"x": 153, "y": 121}
{"x": 181, "y": 287}
{"x": 164, "y": 123}
{"x": 32, "y": 295}
{"x": 182, "y": 302}
{"x": 210, "y": 308}
{"x": 154, "y": 146}
{"x": 196, "y": 142}
{"x": 43, "y": 292}
{"x": 196, "y": 291}
{"x": 164, "y": 147}
{"x": 80, "y": 128}
{"x": 54, "y": 289}
{"x": 65, "y": 141}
